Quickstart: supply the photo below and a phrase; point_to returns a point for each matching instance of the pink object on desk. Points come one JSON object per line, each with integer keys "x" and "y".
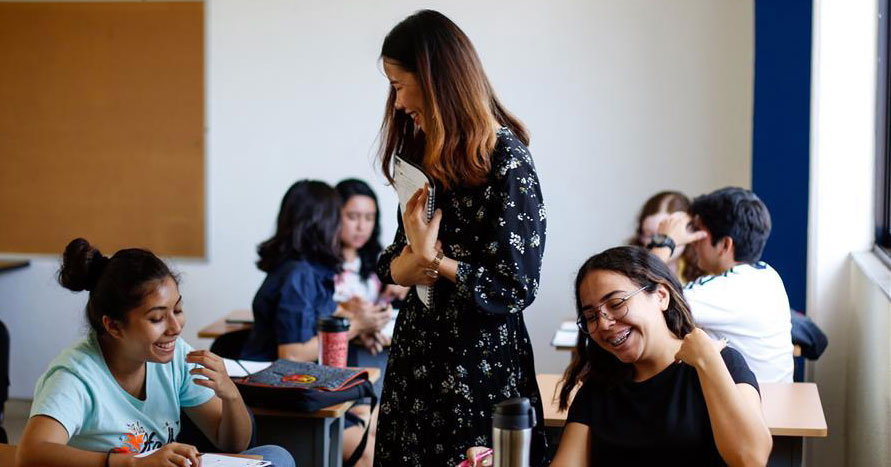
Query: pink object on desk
{"x": 476, "y": 459}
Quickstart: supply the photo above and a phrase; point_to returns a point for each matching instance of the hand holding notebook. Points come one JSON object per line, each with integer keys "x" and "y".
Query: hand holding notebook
{"x": 407, "y": 180}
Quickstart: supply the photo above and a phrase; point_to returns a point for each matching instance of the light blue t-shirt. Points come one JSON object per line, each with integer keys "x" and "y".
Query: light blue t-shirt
{"x": 79, "y": 392}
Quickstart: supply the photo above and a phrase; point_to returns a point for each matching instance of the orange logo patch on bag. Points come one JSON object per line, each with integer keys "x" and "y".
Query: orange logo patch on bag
{"x": 301, "y": 379}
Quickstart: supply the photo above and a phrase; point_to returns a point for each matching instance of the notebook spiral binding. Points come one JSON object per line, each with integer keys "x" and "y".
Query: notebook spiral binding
{"x": 422, "y": 290}
{"x": 430, "y": 210}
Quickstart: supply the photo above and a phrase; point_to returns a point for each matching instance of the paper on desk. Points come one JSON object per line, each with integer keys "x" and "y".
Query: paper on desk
{"x": 217, "y": 460}
{"x": 247, "y": 367}
{"x": 221, "y": 460}
{"x": 564, "y": 338}
{"x": 568, "y": 326}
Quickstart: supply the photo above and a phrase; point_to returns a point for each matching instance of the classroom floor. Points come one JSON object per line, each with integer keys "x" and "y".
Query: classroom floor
{"x": 17, "y": 411}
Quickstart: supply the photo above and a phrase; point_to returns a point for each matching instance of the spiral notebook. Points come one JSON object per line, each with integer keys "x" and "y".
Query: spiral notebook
{"x": 407, "y": 179}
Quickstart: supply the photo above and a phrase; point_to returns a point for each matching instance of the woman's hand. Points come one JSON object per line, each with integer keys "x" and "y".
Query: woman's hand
{"x": 482, "y": 453}
{"x": 394, "y": 292}
{"x": 215, "y": 371}
{"x": 410, "y": 268}
{"x": 677, "y": 227}
{"x": 697, "y": 347}
{"x": 182, "y": 455}
{"x": 421, "y": 234}
{"x": 374, "y": 342}
{"x": 367, "y": 316}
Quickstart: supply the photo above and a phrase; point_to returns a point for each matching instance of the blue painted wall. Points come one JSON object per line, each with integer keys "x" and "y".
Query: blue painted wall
{"x": 781, "y": 134}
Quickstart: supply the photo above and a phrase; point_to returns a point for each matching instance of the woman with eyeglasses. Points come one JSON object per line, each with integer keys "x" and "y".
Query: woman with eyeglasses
{"x": 655, "y": 389}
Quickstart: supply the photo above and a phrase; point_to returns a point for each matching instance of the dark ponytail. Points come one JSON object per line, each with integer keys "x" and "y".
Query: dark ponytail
{"x": 116, "y": 285}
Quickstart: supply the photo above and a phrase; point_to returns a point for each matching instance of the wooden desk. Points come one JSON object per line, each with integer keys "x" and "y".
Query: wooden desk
{"x": 9, "y": 265}
{"x": 312, "y": 438}
{"x": 792, "y": 411}
{"x": 234, "y": 321}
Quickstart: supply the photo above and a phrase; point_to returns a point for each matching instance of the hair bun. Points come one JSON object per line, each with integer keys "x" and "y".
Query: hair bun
{"x": 82, "y": 266}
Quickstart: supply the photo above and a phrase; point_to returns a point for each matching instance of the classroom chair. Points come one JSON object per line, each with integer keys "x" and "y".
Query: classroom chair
{"x": 229, "y": 345}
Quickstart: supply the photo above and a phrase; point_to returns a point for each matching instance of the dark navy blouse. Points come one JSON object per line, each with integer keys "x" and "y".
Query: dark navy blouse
{"x": 293, "y": 296}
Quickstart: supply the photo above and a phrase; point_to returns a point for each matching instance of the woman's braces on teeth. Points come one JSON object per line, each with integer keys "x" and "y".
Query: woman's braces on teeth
{"x": 620, "y": 338}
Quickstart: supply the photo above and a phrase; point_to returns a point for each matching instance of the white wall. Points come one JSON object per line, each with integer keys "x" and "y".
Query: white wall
{"x": 868, "y": 408}
{"x": 841, "y": 200}
{"x": 623, "y": 98}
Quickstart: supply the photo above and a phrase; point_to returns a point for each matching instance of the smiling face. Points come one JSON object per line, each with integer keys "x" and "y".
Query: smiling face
{"x": 151, "y": 329}
{"x": 409, "y": 97}
{"x": 632, "y": 337}
{"x": 358, "y": 217}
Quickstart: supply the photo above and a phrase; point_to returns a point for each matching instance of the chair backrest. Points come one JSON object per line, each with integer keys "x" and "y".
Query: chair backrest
{"x": 229, "y": 345}
{"x": 189, "y": 433}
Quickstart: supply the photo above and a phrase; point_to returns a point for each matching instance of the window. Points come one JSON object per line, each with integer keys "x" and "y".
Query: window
{"x": 883, "y": 137}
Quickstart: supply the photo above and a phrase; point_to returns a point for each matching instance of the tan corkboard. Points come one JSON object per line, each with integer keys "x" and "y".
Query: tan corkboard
{"x": 102, "y": 126}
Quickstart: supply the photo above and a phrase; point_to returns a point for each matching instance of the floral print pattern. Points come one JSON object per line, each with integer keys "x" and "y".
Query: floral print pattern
{"x": 450, "y": 364}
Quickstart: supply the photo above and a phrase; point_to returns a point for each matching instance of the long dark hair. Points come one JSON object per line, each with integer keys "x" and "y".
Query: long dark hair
{"x": 590, "y": 362}
{"x": 372, "y": 248}
{"x": 308, "y": 227}
{"x": 116, "y": 285}
{"x": 458, "y": 137}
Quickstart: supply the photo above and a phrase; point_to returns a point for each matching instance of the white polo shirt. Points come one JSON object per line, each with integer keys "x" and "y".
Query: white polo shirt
{"x": 748, "y": 306}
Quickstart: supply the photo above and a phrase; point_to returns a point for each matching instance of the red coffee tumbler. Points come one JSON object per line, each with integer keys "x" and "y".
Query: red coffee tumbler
{"x": 333, "y": 341}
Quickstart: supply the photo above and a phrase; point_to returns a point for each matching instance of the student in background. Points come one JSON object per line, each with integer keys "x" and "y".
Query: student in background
{"x": 301, "y": 260}
{"x": 742, "y": 299}
{"x": 119, "y": 391}
{"x": 481, "y": 252}
{"x": 656, "y": 209}
{"x": 357, "y": 281}
{"x": 656, "y": 390}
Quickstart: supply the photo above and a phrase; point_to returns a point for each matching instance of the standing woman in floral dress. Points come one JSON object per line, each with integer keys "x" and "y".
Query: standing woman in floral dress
{"x": 481, "y": 253}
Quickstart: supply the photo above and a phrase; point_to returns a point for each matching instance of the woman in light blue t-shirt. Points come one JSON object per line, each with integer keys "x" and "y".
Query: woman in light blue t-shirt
{"x": 119, "y": 392}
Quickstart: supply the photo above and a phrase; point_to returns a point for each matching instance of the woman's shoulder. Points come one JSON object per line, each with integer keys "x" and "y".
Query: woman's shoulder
{"x": 508, "y": 147}
{"x": 510, "y": 154}
{"x": 296, "y": 269}
{"x": 304, "y": 276}
{"x": 84, "y": 353}
{"x": 83, "y": 361}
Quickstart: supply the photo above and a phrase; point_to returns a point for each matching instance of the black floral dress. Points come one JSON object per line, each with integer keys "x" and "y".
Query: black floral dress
{"x": 450, "y": 364}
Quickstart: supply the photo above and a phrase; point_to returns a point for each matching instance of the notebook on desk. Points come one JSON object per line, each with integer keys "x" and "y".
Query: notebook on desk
{"x": 223, "y": 460}
{"x": 407, "y": 179}
{"x": 239, "y": 368}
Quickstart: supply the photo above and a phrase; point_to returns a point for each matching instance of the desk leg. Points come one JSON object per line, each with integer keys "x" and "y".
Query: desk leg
{"x": 311, "y": 441}
{"x": 786, "y": 452}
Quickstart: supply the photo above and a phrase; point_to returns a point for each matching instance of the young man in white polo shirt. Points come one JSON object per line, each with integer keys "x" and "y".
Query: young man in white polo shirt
{"x": 742, "y": 299}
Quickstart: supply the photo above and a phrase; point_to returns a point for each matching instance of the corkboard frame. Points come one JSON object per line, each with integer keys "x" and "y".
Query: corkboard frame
{"x": 102, "y": 131}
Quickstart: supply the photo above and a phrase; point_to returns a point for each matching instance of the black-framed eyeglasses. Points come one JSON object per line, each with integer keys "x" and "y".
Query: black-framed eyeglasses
{"x": 612, "y": 309}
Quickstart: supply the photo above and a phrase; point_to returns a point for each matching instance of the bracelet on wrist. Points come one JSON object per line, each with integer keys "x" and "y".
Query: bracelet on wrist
{"x": 432, "y": 269}
{"x": 662, "y": 241}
